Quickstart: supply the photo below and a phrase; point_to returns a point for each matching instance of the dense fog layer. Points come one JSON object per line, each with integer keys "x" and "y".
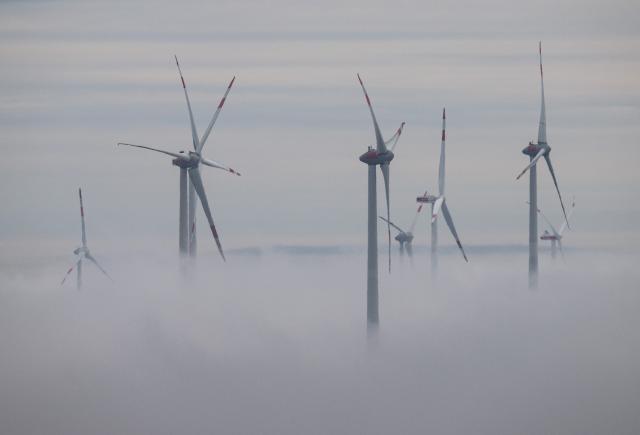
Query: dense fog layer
{"x": 275, "y": 342}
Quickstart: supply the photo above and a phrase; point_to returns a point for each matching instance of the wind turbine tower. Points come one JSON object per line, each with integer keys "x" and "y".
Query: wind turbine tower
{"x": 82, "y": 252}
{"x": 535, "y": 151}
{"x": 438, "y": 202}
{"x": 379, "y": 156}
{"x": 190, "y": 180}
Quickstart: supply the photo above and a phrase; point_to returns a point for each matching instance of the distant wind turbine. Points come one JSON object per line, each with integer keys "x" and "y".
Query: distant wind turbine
{"x": 380, "y": 155}
{"x": 535, "y": 152}
{"x": 555, "y": 236}
{"x": 438, "y": 202}
{"x": 82, "y": 252}
{"x": 189, "y": 164}
{"x": 405, "y": 237}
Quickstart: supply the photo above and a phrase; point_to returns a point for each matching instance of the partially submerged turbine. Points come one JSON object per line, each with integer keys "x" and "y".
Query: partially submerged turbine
{"x": 381, "y": 156}
{"x": 82, "y": 252}
{"x": 535, "y": 151}
{"x": 189, "y": 164}
{"x": 555, "y": 236}
{"x": 405, "y": 237}
{"x": 438, "y": 202}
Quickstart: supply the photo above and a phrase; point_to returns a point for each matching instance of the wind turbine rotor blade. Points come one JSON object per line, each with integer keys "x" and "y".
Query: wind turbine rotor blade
{"x": 452, "y": 228}
{"x": 436, "y": 208}
{"x": 70, "y": 270}
{"x": 555, "y": 182}
{"x": 547, "y": 221}
{"x": 532, "y": 163}
{"x": 194, "y": 132}
{"x": 196, "y": 180}
{"x": 214, "y": 164}
{"x": 94, "y": 261}
{"x": 564, "y": 223}
{"x": 415, "y": 218}
{"x": 380, "y": 146}
{"x": 215, "y": 117}
{"x": 442, "y": 154}
{"x": 385, "y": 175}
{"x": 169, "y": 153}
{"x": 84, "y": 233}
{"x": 395, "y": 138}
{"x": 542, "y": 127}
{"x": 392, "y": 224}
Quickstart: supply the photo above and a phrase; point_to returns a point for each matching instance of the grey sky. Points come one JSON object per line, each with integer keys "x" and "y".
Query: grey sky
{"x": 79, "y": 76}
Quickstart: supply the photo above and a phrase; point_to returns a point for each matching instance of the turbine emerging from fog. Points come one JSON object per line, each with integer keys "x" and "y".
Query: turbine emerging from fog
{"x": 438, "y": 202}
{"x": 82, "y": 252}
{"x": 189, "y": 164}
{"x": 555, "y": 236}
{"x": 405, "y": 237}
{"x": 535, "y": 152}
{"x": 380, "y": 155}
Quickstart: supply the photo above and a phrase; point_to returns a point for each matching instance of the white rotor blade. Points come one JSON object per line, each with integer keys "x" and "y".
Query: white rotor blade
{"x": 214, "y": 164}
{"x": 215, "y": 117}
{"x": 70, "y": 270}
{"x": 452, "y": 228}
{"x": 395, "y": 137}
{"x": 542, "y": 127}
{"x": 380, "y": 146}
{"x": 94, "y": 261}
{"x": 196, "y": 180}
{"x": 533, "y": 162}
{"x": 436, "y": 208}
{"x": 555, "y": 182}
{"x": 442, "y": 155}
{"x": 392, "y": 224}
{"x": 385, "y": 175}
{"x": 169, "y": 153}
{"x": 194, "y": 132}
{"x": 84, "y": 233}
{"x": 564, "y": 223}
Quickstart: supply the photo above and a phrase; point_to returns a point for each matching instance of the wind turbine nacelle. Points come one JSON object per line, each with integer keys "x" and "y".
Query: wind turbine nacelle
{"x": 404, "y": 237}
{"x": 548, "y": 236}
{"x": 426, "y": 199}
{"x": 80, "y": 250}
{"x": 533, "y": 149}
{"x": 373, "y": 157}
{"x": 187, "y": 159}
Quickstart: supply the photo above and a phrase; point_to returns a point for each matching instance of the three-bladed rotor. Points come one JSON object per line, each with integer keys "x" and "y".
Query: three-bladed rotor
{"x": 542, "y": 149}
{"x": 381, "y": 156}
{"x": 82, "y": 252}
{"x": 191, "y": 160}
{"x": 439, "y": 202}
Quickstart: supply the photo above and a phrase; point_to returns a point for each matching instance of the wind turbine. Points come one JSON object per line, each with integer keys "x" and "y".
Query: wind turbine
{"x": 189, "y": 164}
{"x": 405, "y": 237}
{"x": 535, "y": 152}
{"x": 438, "y": 202}
{"x": 555, "y": 236}
{"x": 82, "y": 252}
{"x": 381, "y": 156}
